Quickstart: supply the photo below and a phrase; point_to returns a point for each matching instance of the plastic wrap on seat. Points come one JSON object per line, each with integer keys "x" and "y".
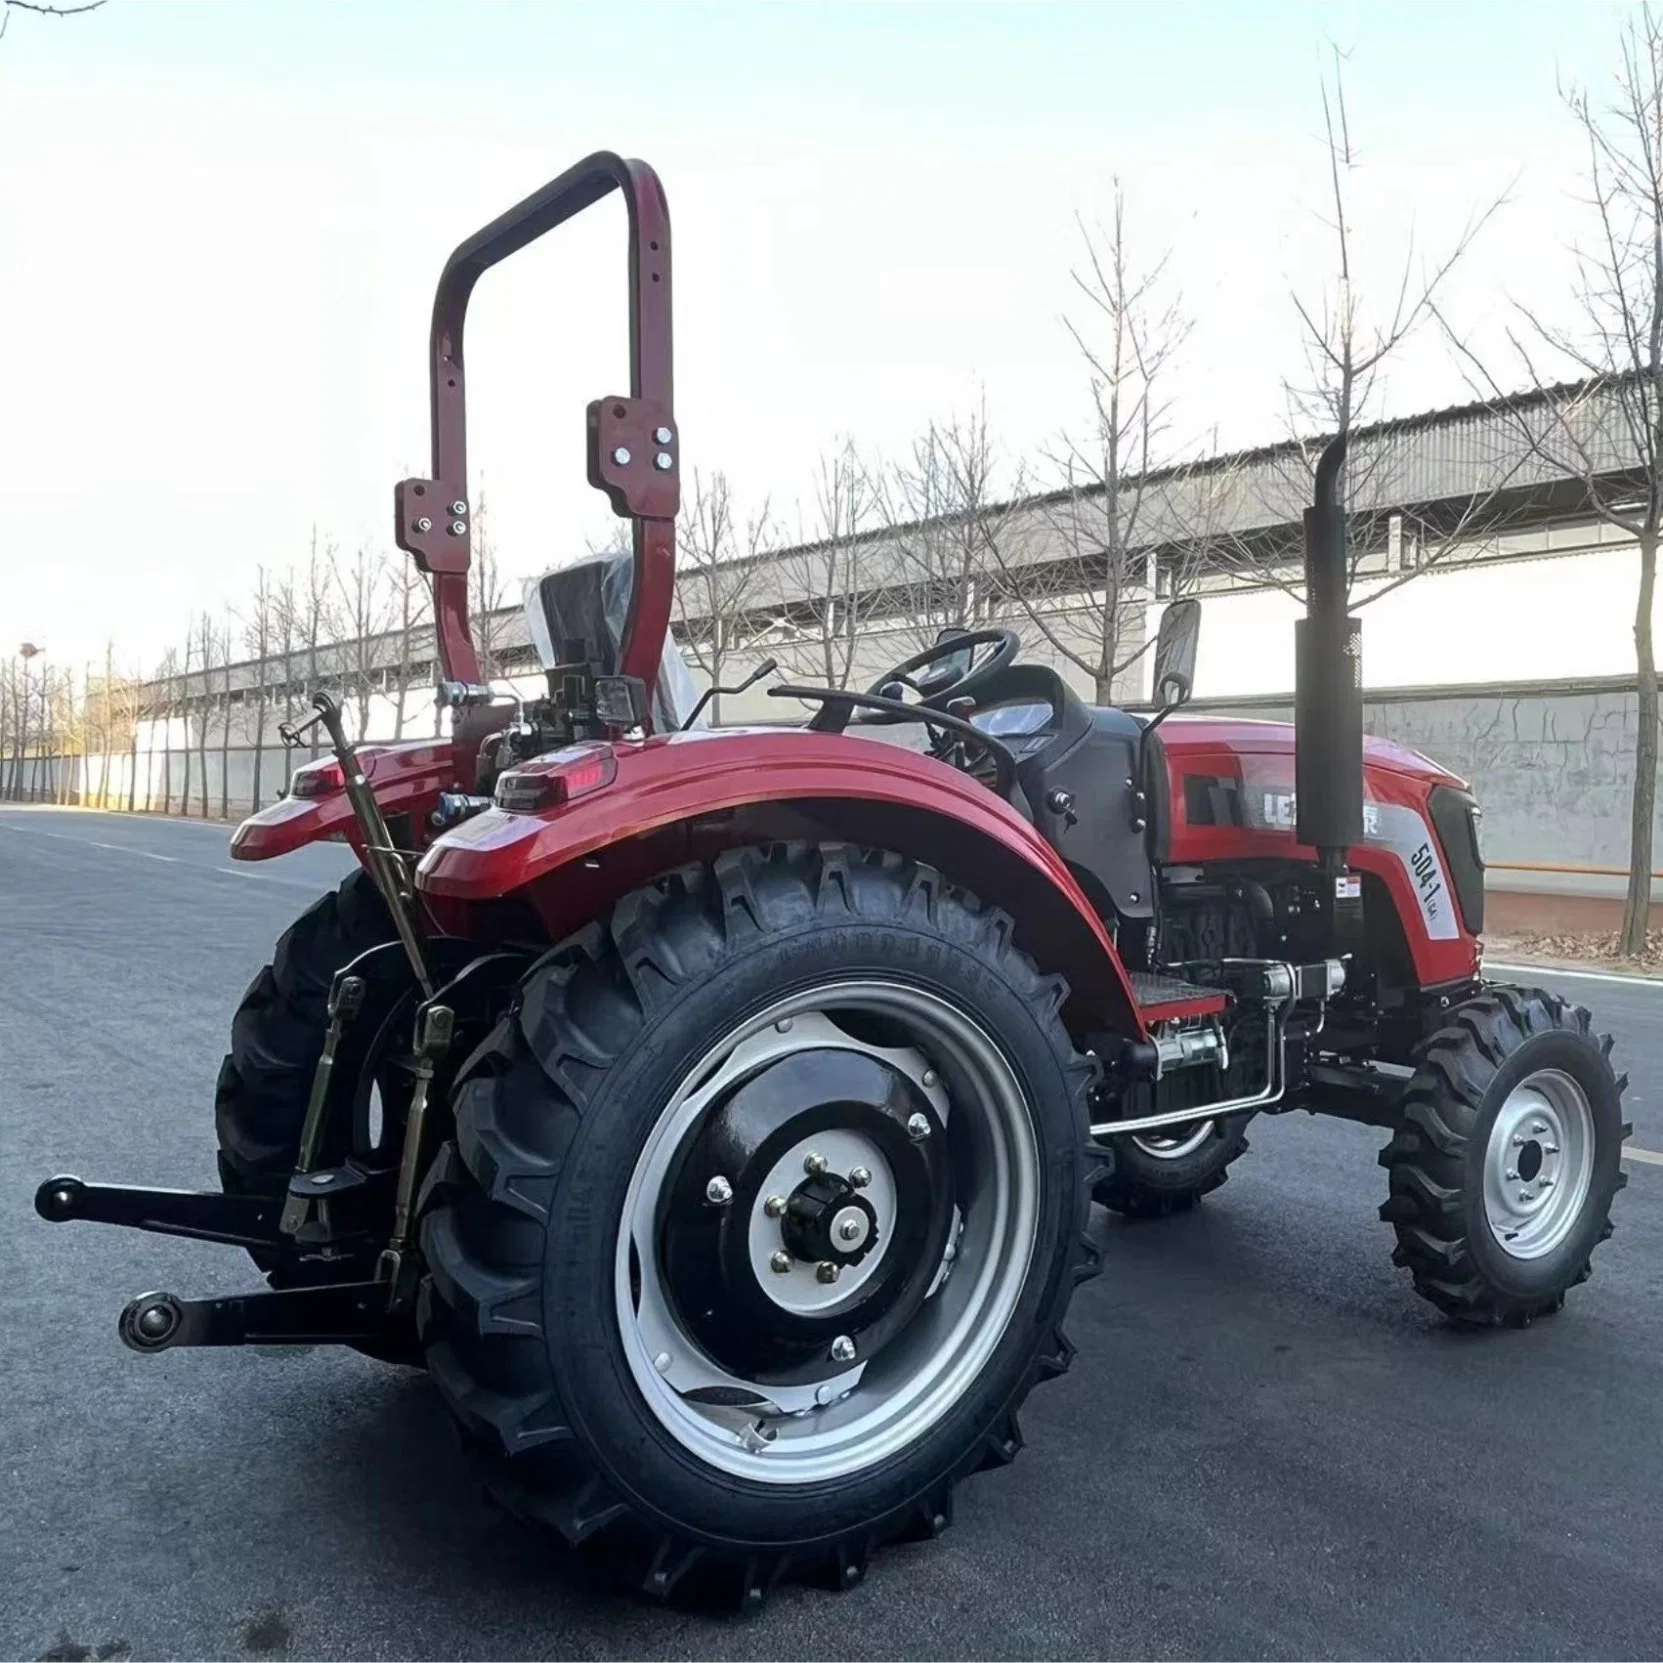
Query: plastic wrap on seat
{"x": 576, "y": 614}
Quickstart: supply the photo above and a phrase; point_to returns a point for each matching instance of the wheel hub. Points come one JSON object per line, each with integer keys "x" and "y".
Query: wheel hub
{"x": 894, "y": 1372}
{"x": 800, "y": 1253}
{"x": 828, "y": 1221}
{"x": 1538, "y": 1164}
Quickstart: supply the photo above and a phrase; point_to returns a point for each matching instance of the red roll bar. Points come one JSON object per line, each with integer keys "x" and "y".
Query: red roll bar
{"x": 633, "y": 443}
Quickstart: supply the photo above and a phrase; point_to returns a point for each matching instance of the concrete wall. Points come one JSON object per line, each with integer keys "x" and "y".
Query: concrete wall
{"x": 1553, "y": 767}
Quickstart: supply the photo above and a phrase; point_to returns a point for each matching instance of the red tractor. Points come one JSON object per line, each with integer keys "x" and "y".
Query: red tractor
{"x": 715, "y": 1114}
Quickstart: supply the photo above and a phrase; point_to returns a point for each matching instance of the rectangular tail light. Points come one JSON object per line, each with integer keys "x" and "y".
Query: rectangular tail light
{"x": 553, "y": 781}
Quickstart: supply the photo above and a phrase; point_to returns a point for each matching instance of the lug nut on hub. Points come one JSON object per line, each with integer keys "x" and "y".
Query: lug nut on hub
{"x": 813, "y": 1165}
{"x": 780, "y": 1263}
{"x": 774, "y": 1206}
{"x": 859, "y": 1177}
{"x": 826, "y": 1271}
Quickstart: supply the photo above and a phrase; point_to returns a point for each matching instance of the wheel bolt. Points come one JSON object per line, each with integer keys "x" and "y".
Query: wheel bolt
{"x": 1518, "y": 1140}
{"x": 1512, "y": 1172}
{"x": 774, "y": 1206}
{"x": 1550, "y": 1148}
{"x": 780, "y": 1263}
{"x": 1538, "y": 1126}
{"x": 813, "y": 1164}
{"x": 843, "y": 1349}
{"x": 918, "y": 1127}
{"x": 1527, "y": 1195}
{"x": 859, "y": 1177}
{"x": 848, "y": 1230}
{"x": 826, "y": 1271}
{"x": 718, "y": 1192}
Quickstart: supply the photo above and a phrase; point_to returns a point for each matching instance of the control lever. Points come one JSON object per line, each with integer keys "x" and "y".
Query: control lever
{"x": 766, "y": 668}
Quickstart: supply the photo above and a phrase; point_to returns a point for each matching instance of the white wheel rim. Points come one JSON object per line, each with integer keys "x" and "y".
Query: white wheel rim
{"x": 1538, "y": 1164}
{"x": 878, "y": 1406}
{"x": 1184, "y": 1141}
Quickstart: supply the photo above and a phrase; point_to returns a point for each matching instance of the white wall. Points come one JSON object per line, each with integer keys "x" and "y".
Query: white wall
{"x": 1522, "y": 620}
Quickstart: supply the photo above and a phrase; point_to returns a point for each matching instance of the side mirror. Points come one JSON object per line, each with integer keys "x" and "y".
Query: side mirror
{"x": 1175, "y": 649}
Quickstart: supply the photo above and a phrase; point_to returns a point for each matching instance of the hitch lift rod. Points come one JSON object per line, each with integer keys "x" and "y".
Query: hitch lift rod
{"x": 386, "y": 864}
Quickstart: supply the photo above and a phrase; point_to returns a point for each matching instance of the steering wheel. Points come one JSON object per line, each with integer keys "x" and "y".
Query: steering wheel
{"x": 932, "y": 691}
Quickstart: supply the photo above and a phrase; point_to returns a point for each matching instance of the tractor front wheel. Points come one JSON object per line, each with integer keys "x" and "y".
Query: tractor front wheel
{"x": 1508, "y": 1158}
{"x": 766, "y": 1202}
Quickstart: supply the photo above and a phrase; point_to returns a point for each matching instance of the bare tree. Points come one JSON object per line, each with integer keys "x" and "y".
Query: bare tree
{"x": 1606, "y": 430}
{"x": 182, "y": 686}
{"x": 949, "y": 533}
{"x": 11, "y": 708}
{"x": 258, "y": 636}
{"x": 487, "y": 594}
{"x": 414, "y": 601}
{"x": 207, "y": 650}
{"x": 41, "y": 8}
{"x": 719, "y": 567}
{"x": 826, "y": 582}
{"x": 362, "y": 614}
{"x": 303, "y": 622}
{"x": 287, "y": 612}
{"x": 1350, "y": 338}
{"x": 225, "y": 657}
{"x": 1118, "y": 505}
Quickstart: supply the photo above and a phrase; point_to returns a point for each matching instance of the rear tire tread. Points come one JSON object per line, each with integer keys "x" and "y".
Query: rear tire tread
{"x": 581, "y": 1006}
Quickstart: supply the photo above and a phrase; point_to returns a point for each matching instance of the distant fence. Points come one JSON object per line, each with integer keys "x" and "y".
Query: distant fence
{"x": 223, "y": 783}
{"x": 1552, "y": 764}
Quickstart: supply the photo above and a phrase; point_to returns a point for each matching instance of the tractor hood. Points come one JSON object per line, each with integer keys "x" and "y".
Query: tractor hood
{"x": 1183, "y": 736}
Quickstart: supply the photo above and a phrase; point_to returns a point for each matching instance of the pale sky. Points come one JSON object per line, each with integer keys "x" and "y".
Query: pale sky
{"x": 220, "y": 226}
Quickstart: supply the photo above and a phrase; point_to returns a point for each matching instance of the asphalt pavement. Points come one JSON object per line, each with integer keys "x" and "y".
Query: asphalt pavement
{"x": 1268, "y": 1447}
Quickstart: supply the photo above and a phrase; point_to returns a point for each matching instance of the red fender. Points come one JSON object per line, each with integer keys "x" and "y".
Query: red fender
{"x": 681, "y": 796}
{"x": 407, "y": 777}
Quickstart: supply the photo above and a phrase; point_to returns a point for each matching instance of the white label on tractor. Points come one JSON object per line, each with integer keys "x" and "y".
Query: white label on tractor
{"x": 1405, "y": 833}
{"x": 1281, "y": 810}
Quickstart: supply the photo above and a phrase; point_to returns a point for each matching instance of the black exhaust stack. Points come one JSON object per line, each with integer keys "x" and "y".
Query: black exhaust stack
{"x": 1328, "y": 708}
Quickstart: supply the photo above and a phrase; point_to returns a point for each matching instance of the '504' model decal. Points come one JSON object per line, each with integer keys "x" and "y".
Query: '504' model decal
{"x": 1406, "y": 834}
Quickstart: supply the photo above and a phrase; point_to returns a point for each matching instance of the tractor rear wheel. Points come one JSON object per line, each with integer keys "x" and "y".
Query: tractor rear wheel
{"x": 265, "y": 1081}
{"x": 766, "y": 1202}
{"x": 277, "y": 1036}
{"x": 1156, "y": 1174}
{"x": 1508, "y": 1158}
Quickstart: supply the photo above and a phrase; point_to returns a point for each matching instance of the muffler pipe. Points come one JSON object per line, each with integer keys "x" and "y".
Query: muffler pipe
{"x": 1328, "y": 700}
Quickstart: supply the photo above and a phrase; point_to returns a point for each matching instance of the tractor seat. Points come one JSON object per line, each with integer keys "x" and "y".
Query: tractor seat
{"x": 1166, "y": 999}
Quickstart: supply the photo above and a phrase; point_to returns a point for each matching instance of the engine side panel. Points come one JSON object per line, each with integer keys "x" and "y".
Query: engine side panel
{"x": 1231, "y": 798}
